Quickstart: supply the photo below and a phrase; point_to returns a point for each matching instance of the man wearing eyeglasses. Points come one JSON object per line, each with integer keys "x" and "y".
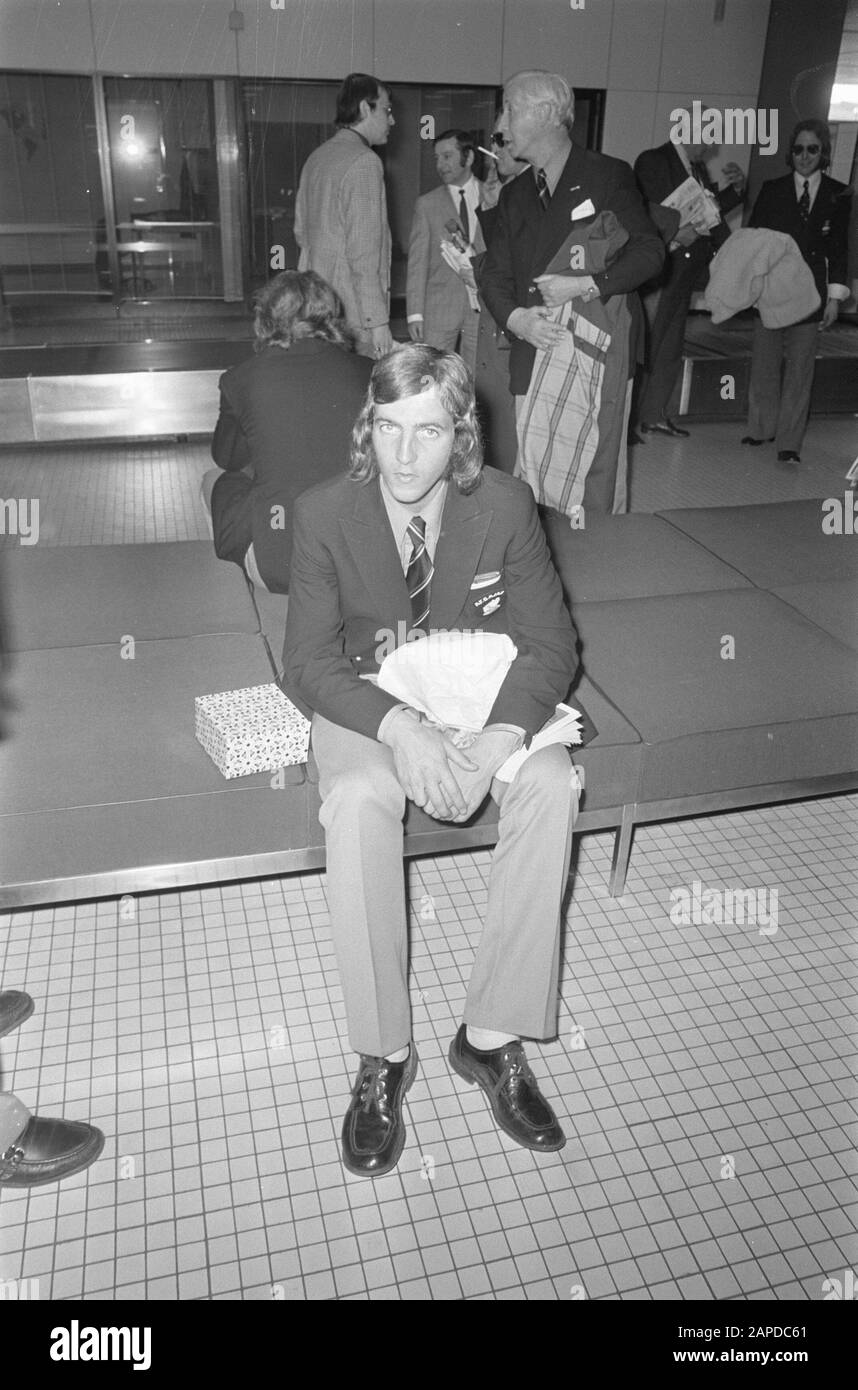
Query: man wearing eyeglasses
{"x": 341, "y": 221}
{"x": 814, "y": 210}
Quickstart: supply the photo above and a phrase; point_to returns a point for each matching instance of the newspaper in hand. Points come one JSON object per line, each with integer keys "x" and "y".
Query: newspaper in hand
{"x": 460, "y": 262}
{"x": 695, "y": 205}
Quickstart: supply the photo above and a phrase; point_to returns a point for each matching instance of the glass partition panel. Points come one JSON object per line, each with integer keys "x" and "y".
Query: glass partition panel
{"x": 163, "y": 162}
{"x": 51, "y": 204}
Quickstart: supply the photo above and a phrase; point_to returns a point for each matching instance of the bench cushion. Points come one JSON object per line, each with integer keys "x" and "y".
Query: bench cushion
{"x": 772, "y": 544}
{"x": 101, "y": 771}
{"x": 782, "y": 710}
{"x": 78, "y": 596}
{"x": 832, "y": 605}
{"x": 632, "y": 556}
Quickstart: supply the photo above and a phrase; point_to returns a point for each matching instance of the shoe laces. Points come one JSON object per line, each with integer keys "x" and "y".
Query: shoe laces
{"x": 517, "y": 1066}
{"x": 371, "y": 1085}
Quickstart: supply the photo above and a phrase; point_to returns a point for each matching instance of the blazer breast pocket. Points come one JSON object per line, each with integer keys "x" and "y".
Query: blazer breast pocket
{"x": 487, "y": 594}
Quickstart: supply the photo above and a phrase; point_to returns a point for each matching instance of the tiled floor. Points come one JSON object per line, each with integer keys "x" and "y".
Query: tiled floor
{"x": 704, "y": 1072}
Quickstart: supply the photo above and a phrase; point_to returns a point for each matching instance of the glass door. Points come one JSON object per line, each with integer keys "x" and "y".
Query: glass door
{"x": 163, "y": 161}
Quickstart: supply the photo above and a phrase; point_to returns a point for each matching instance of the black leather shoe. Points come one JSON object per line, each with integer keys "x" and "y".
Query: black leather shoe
{"x": 755, "y": 443}
{"x": 788, "y": 456}
{"x": 664, "y": 426}
{"x": 15, "y": 1008}
{"x": 48, "y": 1150}
{"x": 374, "y": 1130}
{"x": 513, "y": 1094}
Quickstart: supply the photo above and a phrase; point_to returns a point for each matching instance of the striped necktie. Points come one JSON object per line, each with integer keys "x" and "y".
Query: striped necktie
{"x": 418, "y": 576}
{"x": 542, "y": 188}
{"x": 804, "y": 202}
{"x": 463, "y": 216}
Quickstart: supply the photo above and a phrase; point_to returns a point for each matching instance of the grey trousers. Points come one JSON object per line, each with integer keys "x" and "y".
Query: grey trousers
{"x": 461, "y": 339}
{"x": 778, "y": 409}
{"x": 513, "y": 985}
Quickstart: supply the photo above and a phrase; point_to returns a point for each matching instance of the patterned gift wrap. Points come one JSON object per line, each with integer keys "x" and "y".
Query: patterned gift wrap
{"x": 252, "y": 730}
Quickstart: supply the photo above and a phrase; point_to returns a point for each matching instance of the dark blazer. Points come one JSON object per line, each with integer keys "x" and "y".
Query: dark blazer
{"x": 823, "y": 240}
{"x": 348, "y": 598}
{"x": 660, "y": 171}
{"x": 287, "y": 415}
{"x": 524, "y": 239}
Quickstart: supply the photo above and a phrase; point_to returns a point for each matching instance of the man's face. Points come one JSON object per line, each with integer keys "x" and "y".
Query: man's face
{"x": 453, "y": 167}
{"x": 521, "y": 122}
{"x": 806, "y": 153}
{"x": 506, "y": 165}
{"x": 380, "y": 118}
{"x": 412, "y": 440}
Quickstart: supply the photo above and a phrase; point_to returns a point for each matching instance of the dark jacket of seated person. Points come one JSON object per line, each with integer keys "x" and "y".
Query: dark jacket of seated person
{"x": 286, "y": 417}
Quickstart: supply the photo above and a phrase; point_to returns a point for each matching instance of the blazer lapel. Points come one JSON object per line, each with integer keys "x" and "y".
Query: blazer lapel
{"x": 464, "y": 526}
{"x": 368, "y": 535}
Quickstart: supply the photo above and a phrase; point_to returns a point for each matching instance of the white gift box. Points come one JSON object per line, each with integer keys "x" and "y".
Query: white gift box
{"x": 252, "y": 730}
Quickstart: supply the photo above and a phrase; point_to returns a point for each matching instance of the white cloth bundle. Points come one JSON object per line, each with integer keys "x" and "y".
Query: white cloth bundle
{"x": 452, "y": 677}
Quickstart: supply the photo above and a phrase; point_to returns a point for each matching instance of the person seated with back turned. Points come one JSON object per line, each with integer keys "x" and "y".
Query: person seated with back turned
{"x": 285, "y": 422}
{"x": 416, "y": 533}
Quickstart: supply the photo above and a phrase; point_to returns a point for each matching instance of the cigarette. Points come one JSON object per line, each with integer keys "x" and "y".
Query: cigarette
{"x": 482, "y": 149}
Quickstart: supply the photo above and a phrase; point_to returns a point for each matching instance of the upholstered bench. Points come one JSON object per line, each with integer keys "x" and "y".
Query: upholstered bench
{"x": 104, "y": 790}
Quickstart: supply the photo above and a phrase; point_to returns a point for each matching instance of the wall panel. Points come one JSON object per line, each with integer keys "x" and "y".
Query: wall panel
{"x": 550, "y": 34}
{"x": 309, "y": 39}
{"x": 630, "y": 123}
{"x": 447, "y": 41}
{"x": 699, "y": 53}
{"x": 46, "y": 38}
{"x": 636, "y": 36}
{"x": 180, "y": 38}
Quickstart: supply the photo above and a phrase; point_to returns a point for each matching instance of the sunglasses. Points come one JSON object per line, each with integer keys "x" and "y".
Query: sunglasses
{"x": 499, "y": 140}
{"x": 806, "y": 149}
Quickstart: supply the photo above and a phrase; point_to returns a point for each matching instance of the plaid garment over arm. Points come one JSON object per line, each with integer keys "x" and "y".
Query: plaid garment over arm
{"x": 558, "y": 426}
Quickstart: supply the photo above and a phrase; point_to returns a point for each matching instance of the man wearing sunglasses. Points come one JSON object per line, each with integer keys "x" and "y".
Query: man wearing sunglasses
{"x": 814, "y": 210}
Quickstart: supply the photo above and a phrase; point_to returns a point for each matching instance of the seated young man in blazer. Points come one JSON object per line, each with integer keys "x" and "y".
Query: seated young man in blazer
{"x": 409, "y": 539}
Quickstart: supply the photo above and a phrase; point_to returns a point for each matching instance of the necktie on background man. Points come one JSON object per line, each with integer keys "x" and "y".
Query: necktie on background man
{"x": 463, "y": 216}
{"x": 418, "y": 576}
{"x": 804, "y": 202}
{"x": 542, "y": 188}
{"x": 698, "y": 171}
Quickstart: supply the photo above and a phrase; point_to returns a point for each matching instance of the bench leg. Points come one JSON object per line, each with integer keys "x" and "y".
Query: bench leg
{"x": 622, "y": 852}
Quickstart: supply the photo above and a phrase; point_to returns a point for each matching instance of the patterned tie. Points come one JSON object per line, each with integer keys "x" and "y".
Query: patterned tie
{"x": 463, "y": 216}
{"x": 542, "y": 188}
{"x": 418, "y": 576}
{"x": 804, "y": 202}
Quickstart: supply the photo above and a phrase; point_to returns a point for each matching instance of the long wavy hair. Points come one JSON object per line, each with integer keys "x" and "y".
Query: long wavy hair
{"x": 298, "y": 304}
{"x": 408, "y": 371}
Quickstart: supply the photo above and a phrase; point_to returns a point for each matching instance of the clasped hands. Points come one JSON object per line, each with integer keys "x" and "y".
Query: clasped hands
{"x": 447, "y": 782}
{"x": 535, "y": 325}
